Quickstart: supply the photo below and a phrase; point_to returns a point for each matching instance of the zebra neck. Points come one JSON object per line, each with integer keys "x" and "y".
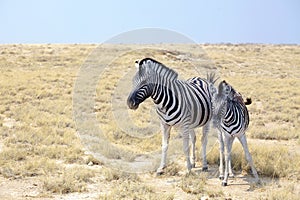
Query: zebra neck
{"x": 162, "y": 93}
{"x": 219, "y": 107}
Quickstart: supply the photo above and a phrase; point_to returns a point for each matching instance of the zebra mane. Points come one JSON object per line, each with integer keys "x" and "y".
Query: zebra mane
{"x": 212, "y": 78}
{"x": 232, "y": 97}
{"x": 157, "y": 66}
{"x": 236, "y": 97}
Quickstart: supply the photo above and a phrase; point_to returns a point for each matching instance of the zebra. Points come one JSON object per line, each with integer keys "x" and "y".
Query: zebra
{"x": 231, "y": 118}
{"x": 183, "y": 104}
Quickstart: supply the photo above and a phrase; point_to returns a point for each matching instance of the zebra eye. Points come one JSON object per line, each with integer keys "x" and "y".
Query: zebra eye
{"x": 227, "y": 90}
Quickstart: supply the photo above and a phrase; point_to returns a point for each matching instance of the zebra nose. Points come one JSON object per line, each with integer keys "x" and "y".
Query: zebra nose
{"x": 131, "y": 103}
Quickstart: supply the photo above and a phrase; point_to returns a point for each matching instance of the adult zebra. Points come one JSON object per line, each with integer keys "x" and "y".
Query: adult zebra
{"x": 184, "y": 104}
{"x": 231, "y": 118}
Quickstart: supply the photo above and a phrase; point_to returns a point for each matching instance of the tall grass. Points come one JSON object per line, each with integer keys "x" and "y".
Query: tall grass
{"x": 270, "y": 160}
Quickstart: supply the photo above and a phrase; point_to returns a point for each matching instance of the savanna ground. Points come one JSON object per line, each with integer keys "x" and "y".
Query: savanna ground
{"x": 42, "y": 157}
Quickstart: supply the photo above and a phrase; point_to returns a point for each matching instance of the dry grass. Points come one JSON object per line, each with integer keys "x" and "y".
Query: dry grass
{"x": 68, "y": 180}
{"x": 129, "y": 186}
{"x": 36, "y": 94}
{"x": 38, "y": 136}
{"x": 196, "y": 184}
{"x": 271, "y": 161}
{"x": 132, "y": 190}
{"x": 111, "y": 174}
{"x": 270, "y": 76}
{"x": 289, "y": 191}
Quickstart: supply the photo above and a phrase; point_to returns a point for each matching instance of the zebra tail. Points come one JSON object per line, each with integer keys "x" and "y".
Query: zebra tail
{"x": 248, "y": 101}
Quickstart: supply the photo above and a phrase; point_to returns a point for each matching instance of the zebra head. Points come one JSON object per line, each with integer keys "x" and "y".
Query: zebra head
{"x": 142, "y": 83}
{"x": 231, "y": 94}
{"x": 225, "y": 90}
{"x": 227, "y": 94}
{"x": 220, "y": 95}
{"x": 220, "y": 100}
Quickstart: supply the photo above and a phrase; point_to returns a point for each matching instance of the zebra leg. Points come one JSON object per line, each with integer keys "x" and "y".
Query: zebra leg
{"x": 165, "y": 142}
{"x": 231, "y": 175}
{"x": 248, "y": 156}
{"x": 186, "y": 149}
{"x": 228, "y": 143}
{"x": 205, "y": 131}
{"x": 193, "y": 139}
{"x": 221, "y": 146}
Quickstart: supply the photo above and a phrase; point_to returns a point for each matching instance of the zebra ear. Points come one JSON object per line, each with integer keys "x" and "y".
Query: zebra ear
{"x": 137, "y": 64}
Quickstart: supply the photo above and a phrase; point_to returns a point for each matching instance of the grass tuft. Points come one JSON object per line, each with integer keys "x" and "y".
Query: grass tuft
{"x": 271, "y": 160}
{"x": 133, "y": 190}
{"x": 285, "y": 192}
{"x": 112, "y": 174}
{"x": 70, "y": 180}
{"x": 193, "y": 184}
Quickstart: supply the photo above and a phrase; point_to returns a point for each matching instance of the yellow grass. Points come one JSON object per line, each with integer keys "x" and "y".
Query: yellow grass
{"x": 38, "y": 135}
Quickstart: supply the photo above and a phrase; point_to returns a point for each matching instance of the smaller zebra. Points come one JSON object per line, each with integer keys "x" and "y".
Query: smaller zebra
{"x": 231, "y": 118}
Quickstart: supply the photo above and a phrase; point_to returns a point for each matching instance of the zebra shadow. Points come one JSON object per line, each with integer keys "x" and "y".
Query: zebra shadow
{"x": 240, "y": 178}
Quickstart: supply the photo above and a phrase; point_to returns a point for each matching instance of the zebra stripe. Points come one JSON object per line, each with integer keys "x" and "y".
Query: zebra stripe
{"x": 231, "y": 117}
{"x": 185, "y": 104}
{"x": 178, "y": 101}
{"x": 234, "y": 120}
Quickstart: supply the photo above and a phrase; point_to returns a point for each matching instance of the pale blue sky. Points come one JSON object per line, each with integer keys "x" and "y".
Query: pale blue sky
{"x": 88, "y": 21}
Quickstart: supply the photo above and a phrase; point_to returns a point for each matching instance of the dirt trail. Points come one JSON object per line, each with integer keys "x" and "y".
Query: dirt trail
{"x": 19, "y": 188}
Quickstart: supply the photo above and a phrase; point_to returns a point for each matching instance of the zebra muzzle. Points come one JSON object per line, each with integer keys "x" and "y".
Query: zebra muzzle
{"x": 132, "y": 104}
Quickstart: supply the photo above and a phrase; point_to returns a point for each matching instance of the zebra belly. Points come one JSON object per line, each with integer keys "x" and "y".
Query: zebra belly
{"x": 233, "y": 131}
{"x": 172, "y": 120}
{"x": 199, "y": 117}
{"x": 186, "y": 104}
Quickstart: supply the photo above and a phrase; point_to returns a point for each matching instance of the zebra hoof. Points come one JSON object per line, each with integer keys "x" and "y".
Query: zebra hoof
{"x": 193, "y": 165}
{"x": 224, "y": 184}
{"x": 221, "y": 177}
{"x": 258, "y": 182}
{"x": 205, "y": 169}
{"x": 159, "y": 172}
